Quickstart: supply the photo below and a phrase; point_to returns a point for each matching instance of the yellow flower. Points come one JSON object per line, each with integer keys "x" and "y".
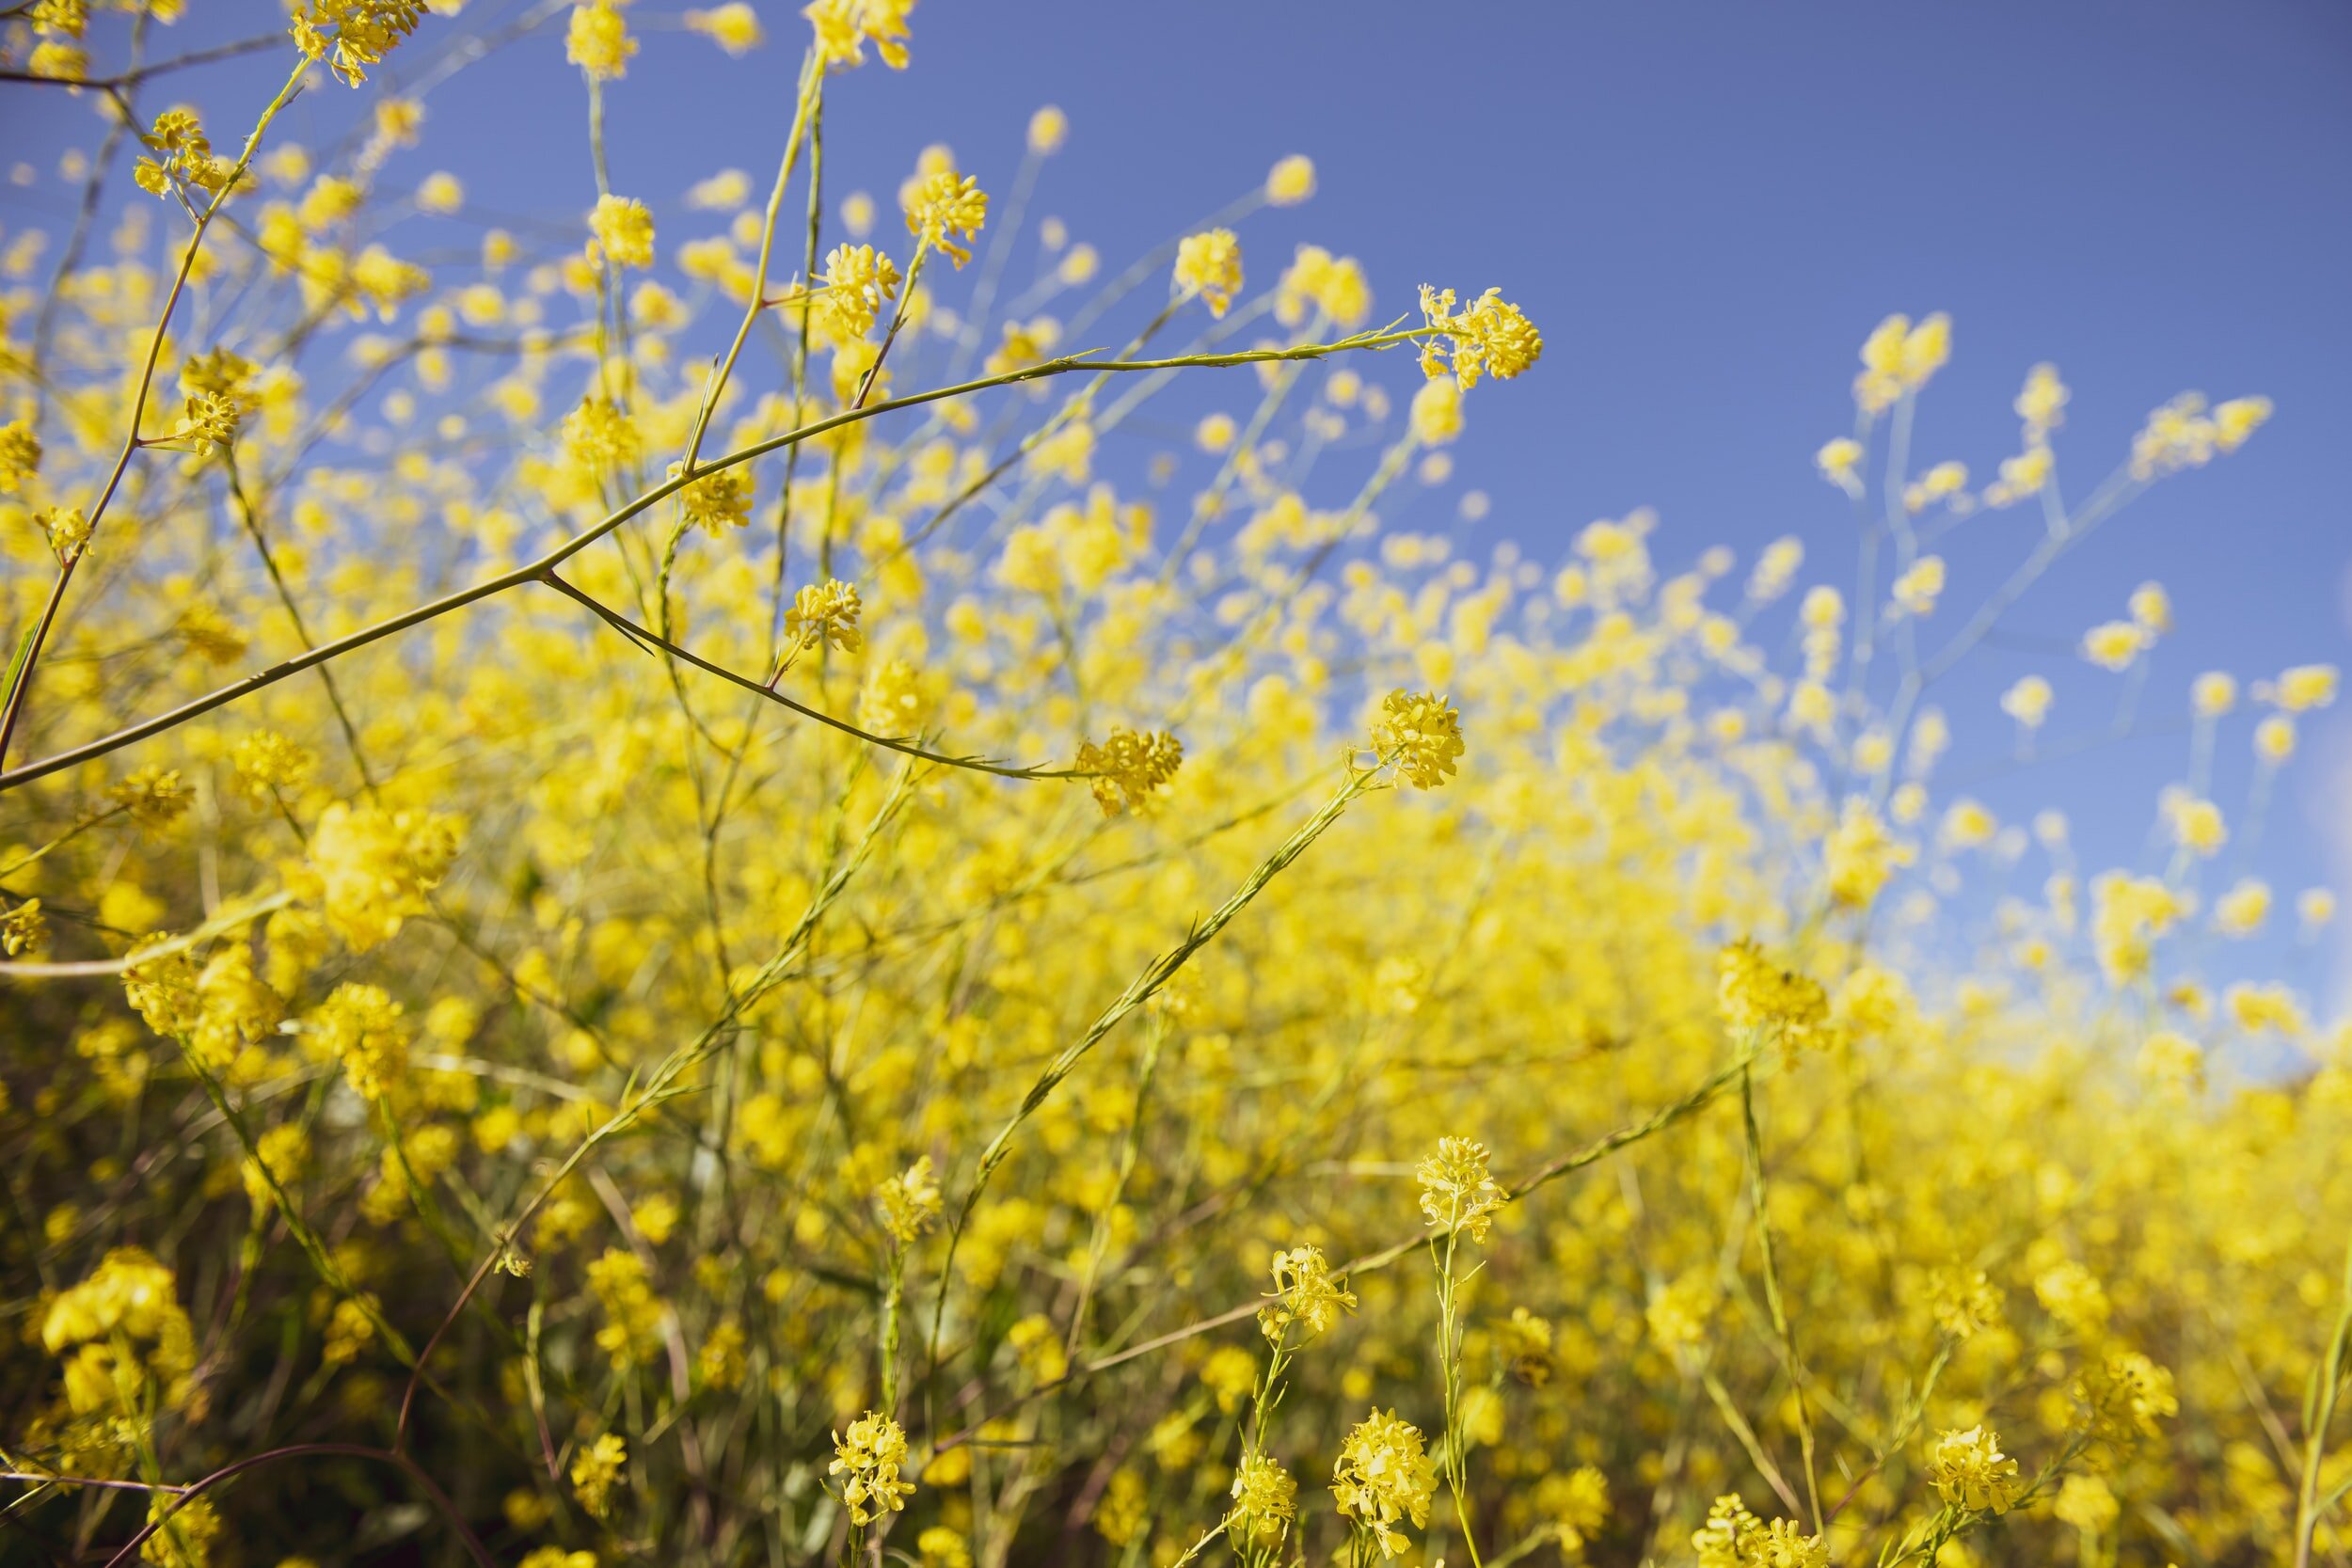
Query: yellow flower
{"x": 717, "y": 501}
{"x": 859, "y": 281}
{"x": 19, "y": 457}
{"x": 825, "y": 613}
{"x": 1457, "y": 1195}
{"x": 1970, "y": 1471}
{"x": 870, "y": 1456}
{"x": 23, "y": 930}
{"x": 1264, "y": 1498}
{"x": 734, "y": 27}
{"x": 2304, "y": 688}
{"x": 1129, "y": 768}
{"x": 909, "y": 1202}
{"x": 1305, "y": 1292}
{"x": 1758, "y": 996}
{"x": 623, "y": 230}
{"x": 1859, "y": 856}
{"x": 1490, "y": 337}
{"x": 1208, "y": 267}
{"x": 598, "y": 1471}
{"x": 1436, "y": 411}
{"x": 1291, "y": 181}
{"x": 373, "y": 868}
{"x": 597, "y": 40}
{"x": 361, "y": 32}
{"x": 1384, "y": 1477}
{"x": 1048, "y": 129}
{"x": 2028, "y": 701}
{"x": 360, "y": 1026}
{"x": 946, "y": 203}
{"x": 1838, "y": 459}
{"x": 2114, "y": 645}
{"x": 1419, "y": 734}
{"x": 843, "y": 29}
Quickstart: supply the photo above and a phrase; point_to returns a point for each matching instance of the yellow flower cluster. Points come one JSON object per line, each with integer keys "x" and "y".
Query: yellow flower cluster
{"x": 740, "y": 1121}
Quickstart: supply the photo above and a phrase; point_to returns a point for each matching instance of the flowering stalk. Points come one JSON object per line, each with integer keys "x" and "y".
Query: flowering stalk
{"x": 28, "y": 650}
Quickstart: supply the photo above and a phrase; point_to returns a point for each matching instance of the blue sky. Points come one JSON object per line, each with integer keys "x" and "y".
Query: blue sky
{"x": 1706, "y": 207}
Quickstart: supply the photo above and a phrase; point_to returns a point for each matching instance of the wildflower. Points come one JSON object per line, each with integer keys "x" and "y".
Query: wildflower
{"x": 2150, "y": 608}
{"x": 734, "y": 27}
{"x": 1208, "y": 266}
{"x": 1490, "y": 337}
{"x": 623, "y": 232}
{"x": 67, "y": 528}
{"x": 824, "y": 613}
{"x": 2125, "y": 1395}
{"x": 1264, "y": 1498}
{"x": 359, "y": 1025}
{"x": 187, "y": 1526}
{"x": 1130, "y": 770}
{"x": 716, "y": 500}
{"x": 2302, "y": 689}
{"x": 373, "y": 868}
{"x": 844, "y": 27}
{"x": 280, "y": 1155}
{"x": 598, "y": 1471}
{"x": 1524, "y": 1341}
{"x": 1305, "y": 1292}
{"x": 946, "y": 203}
{"x": 1725, "y": 1540}
{"x": 1939, "y": 483}
{"x": 909, "y": 1202}
{"x": 1783, "y": 1543}
{"x": 2242, "y": 911}
{"x": 1917, "y": 589}
{"x": 2172, "y": 1062}
{"x": 1758, "y": 996}
{"x": 361, "y": 32}
{"x": 1048, "y": 129}
{"x": 631, "y": 1335}
{"x": 599, "y": 437}
{"x": 1291, "y": 181}
{"x": 1421, "y": 735}
{"x": 2114, "y": 645}
{"x": 1859, "y": 855}
{"x": 56, "y": 60}
{"x": 184, "y": 153}
{"x": 128, "y": 1303}
{"x": 870, "y": 1456}
{"x": 859, "y": 282}
{"x": 161, "y": 985}
{"x": 892, "y": 702}
{"x": 1970, "y": 1471}
{"x": 1899, "y": 358}
{"x": 20, "y": 455}
{"x": 2028, "y": 701}
{"x": 23, "y": 928}
{"x": 1436, "y": 411}
{"x": 1333, "y": 285}
{"x": 1841, "y": 460}
{"x": 1457, "y": 1195}
{"x": 209, "y": 424}
{"x": 1963, "y": 1302}
{"x": 2274, "y": 738}
{"x": 2086, "y": 1502}
{"x": 1384, "y": 1477}
{"x": 269, "y": 765}
{"x": 152, "y": 797}
{"x": 597, "y": 40}
{"x": 2042, "y": 403}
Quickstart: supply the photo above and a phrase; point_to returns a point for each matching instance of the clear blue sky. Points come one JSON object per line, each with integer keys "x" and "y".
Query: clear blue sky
{"x": 1705, "y": 206}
